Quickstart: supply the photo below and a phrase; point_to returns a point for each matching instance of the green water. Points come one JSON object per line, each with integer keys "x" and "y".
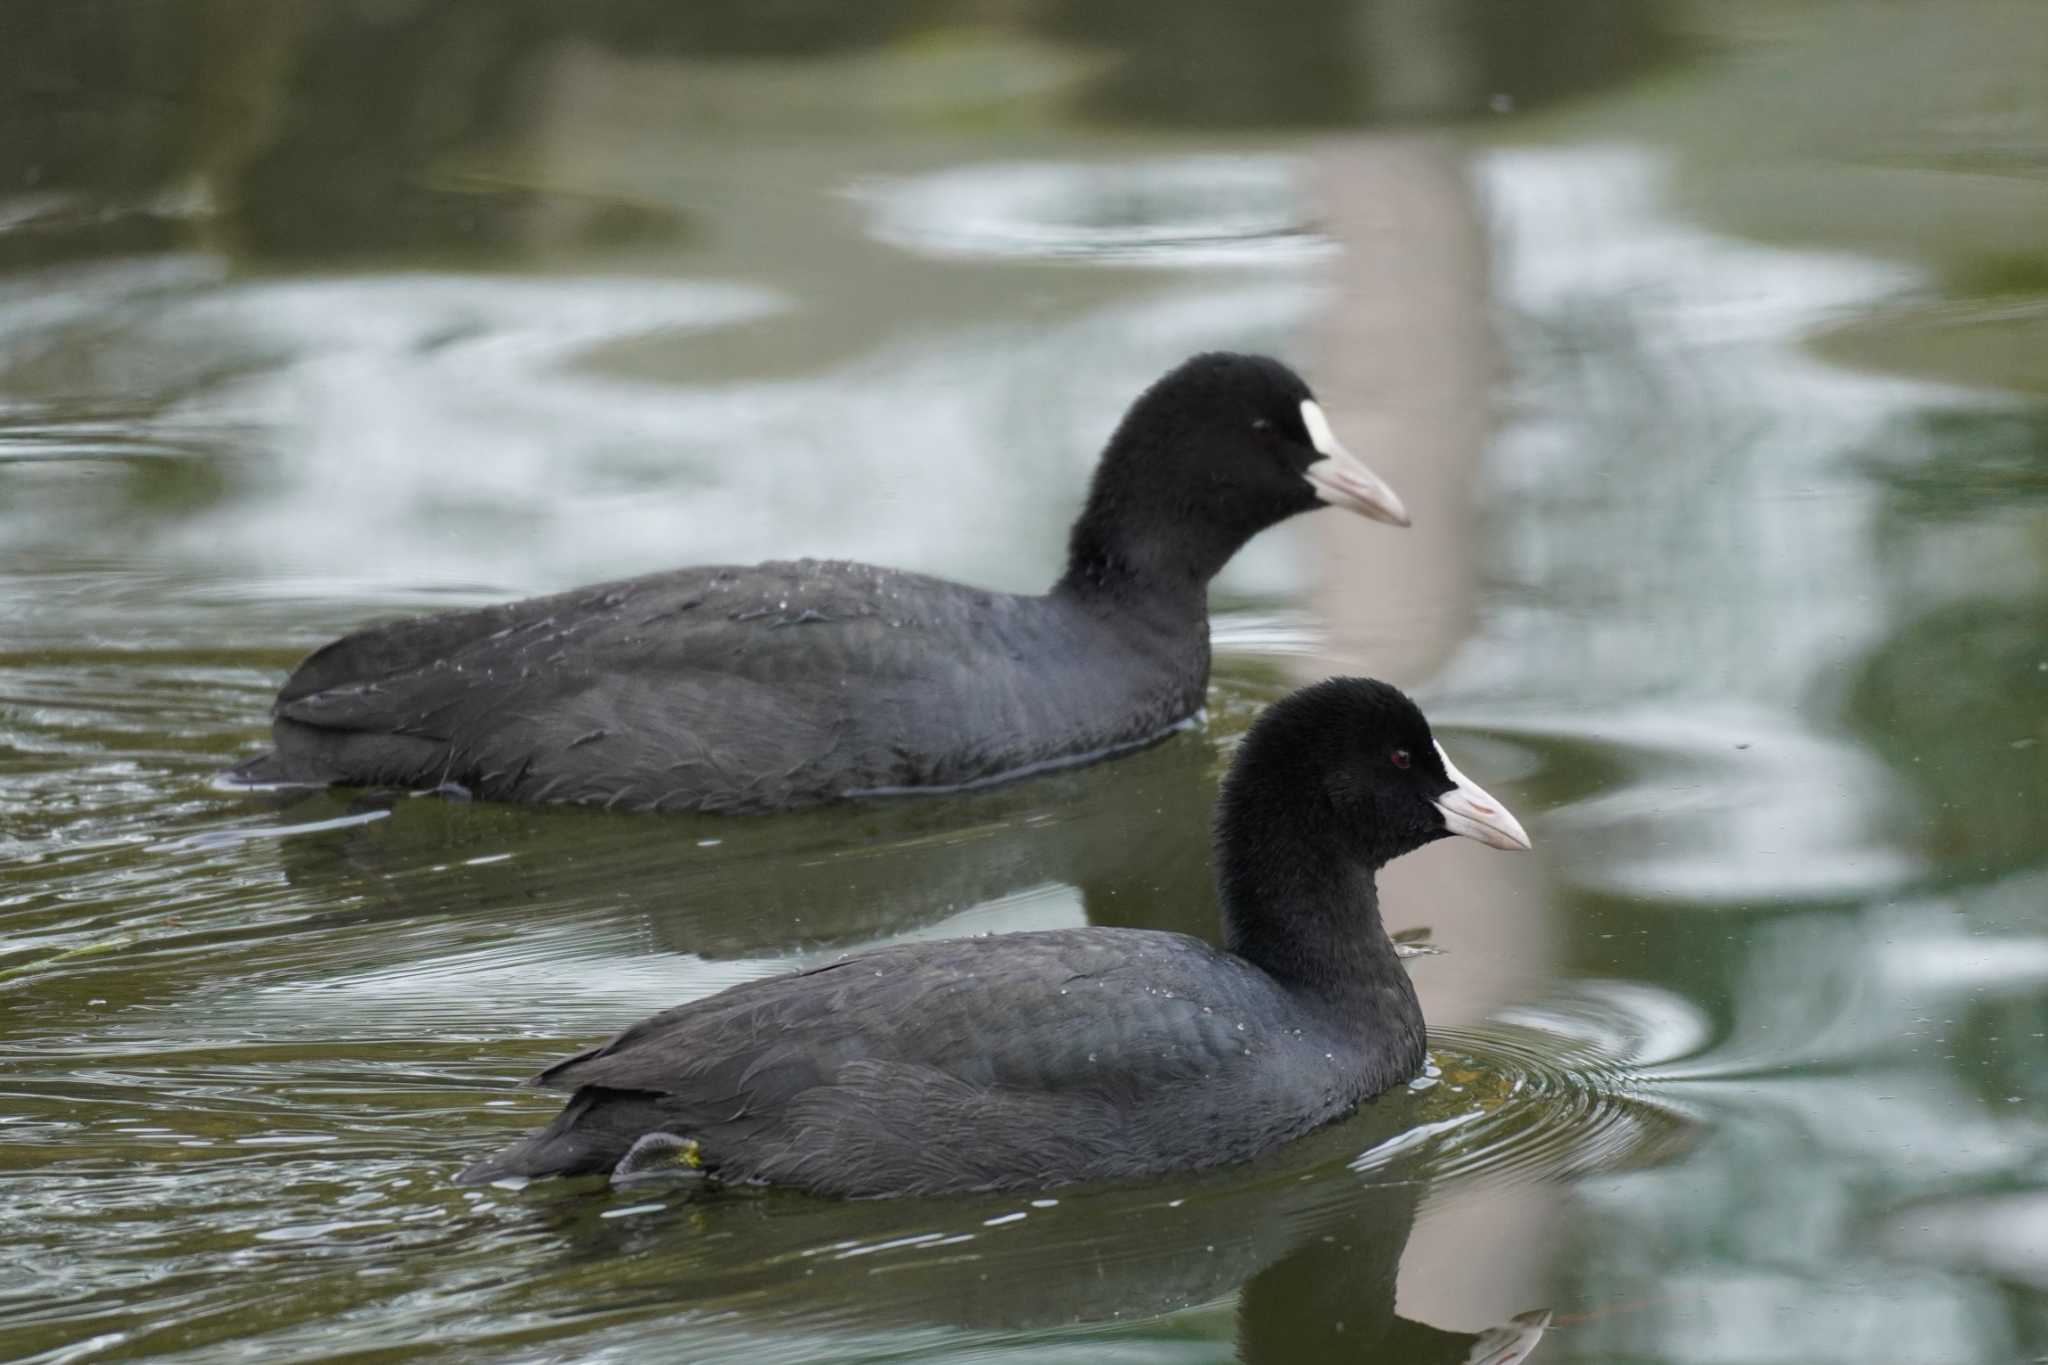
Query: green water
{"x": 1709, "y": 346}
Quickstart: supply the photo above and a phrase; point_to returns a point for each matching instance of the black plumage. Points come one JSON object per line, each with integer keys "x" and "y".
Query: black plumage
{"x": 1037, "y": 1059}
{"x": 787, "y": 684}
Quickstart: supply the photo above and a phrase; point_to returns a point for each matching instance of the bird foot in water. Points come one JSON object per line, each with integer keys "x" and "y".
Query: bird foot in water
{"x": 659, "y": 1156}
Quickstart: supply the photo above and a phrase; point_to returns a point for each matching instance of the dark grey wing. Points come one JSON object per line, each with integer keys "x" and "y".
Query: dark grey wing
{"x": 371, "y": 678}
{"x": 375, "y": 654}
{"x": 1108, "y": 1011}
{"x": 719, "y": 688}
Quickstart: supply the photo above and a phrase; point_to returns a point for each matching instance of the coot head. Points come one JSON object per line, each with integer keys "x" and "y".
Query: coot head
{"x": 1219, "y": 448}
{"x": 1329, "y": 784}
{"x": 1252, "y": 426}
{"x": 1352, "y": 764}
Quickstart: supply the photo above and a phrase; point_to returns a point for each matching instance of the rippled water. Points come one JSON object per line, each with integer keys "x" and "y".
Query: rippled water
{"x": 1700, "y": 345}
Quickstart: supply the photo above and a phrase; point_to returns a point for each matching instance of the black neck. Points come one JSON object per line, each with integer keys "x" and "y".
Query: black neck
{"x": 1312, "y": 921}
{"x": 1139, "y": 538}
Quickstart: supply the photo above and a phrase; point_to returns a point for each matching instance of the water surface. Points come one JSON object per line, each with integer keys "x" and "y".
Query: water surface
{"x": 1701, "y": 342}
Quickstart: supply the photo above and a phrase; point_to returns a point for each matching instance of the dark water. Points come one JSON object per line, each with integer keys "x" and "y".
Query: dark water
{"x": 1709, "y": 346}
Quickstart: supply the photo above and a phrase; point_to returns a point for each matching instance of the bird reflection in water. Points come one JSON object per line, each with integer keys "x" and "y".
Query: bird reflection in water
{"x": 1312, "y": 1254}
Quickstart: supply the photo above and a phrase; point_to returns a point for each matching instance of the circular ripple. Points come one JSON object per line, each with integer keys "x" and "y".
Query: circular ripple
{"x": 1186, "y": 211}
{"x": 1554, "y": 1089}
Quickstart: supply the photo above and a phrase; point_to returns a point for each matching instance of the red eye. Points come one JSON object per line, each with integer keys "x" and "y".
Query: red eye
{"x": 1400, "y": 757}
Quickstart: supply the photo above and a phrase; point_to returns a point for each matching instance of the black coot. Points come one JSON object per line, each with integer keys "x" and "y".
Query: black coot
{"x": 1032, "y": 1060}
{"x": 786, "y": 684}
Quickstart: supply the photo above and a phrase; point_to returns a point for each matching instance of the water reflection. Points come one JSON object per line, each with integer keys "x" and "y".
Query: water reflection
{"x": 1334, "y": 62}
{"x": 1973, "y": 609}
{"x": 312, "y": 317}
{"x": 1313, "y": 1283}
{"x": 372, "y": 131}
{"x": 1772, "y": 671}
{"x": 1186, "y": 212}
{"x": 884, "y": 868}
{"x": 1656, "y": 580}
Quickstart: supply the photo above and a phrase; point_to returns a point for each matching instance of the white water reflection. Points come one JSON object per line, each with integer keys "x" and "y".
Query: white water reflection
{"x": 1631, "y": 1023}
{"x": 1834, "y": 1213}
{"x": 399, "y": 432}
{"x": 1694, "y": 579}
{"x": 36, "y": 307}
{"x": 1729, "y": 801}
{"x": 1692, "y": 567}
{"x": 1765, "y": 1245}
{"x": 408, "y": 414}
{"x": 2002, "y": 1235}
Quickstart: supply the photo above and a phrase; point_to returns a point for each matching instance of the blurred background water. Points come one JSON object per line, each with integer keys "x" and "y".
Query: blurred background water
{"x": 1708, "y": 344}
